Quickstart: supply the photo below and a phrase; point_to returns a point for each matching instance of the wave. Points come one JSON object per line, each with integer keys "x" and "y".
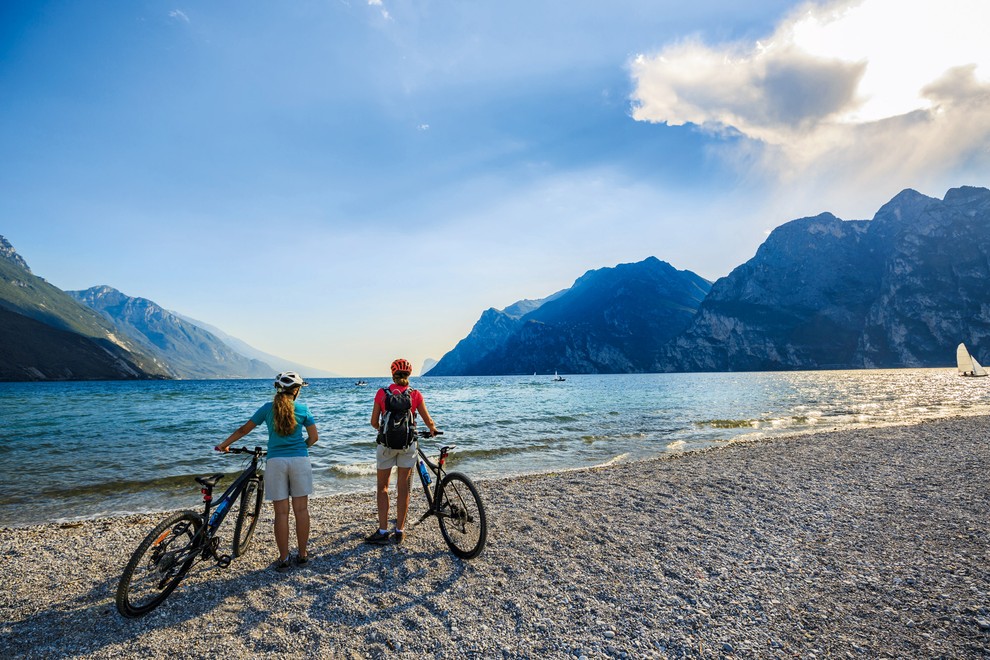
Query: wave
{"x": 728, "y": 423}
{"x": 168, "y": 484}
{"x": 615, "y": 459}
{"x": 349, "y": 471}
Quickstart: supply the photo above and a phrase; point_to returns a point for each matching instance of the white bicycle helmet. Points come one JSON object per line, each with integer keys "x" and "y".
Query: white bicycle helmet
{"x": 288, "y": 379}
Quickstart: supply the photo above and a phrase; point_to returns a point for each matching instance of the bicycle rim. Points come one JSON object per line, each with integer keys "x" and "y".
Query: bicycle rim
{"x": 462, "y": 516}
{"x": 249, "y": 510}
{"x": 158, "y": 565}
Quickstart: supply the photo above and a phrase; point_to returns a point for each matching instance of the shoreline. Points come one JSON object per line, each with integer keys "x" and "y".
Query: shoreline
{"x": 869, "y": 541}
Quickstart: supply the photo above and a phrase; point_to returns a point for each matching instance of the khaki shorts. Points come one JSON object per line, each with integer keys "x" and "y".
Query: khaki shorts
{"x": 287, "y": 477}
{"x": 390, "y": 458}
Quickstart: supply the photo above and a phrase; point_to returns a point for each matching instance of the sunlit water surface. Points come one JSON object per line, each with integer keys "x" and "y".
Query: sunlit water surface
{"x": 80, "y": 450}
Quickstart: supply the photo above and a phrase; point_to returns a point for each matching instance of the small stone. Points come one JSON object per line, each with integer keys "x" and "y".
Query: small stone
{"x": 984, "y": 624}
{"x": 609, "y": 634}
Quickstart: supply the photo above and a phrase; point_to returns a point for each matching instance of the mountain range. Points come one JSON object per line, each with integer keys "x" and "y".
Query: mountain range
{"x": 100, "y": 333}
{"x": 900, "y": 290}
{"x": 611, "y": 320}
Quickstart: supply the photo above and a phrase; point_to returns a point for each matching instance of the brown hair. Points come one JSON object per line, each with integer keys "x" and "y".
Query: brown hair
{"x": 284, "y": 411}
{"x": 401, "y": 378}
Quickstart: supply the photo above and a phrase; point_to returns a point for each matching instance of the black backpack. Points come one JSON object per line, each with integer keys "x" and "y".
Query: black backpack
{"x": 398, "y": 426}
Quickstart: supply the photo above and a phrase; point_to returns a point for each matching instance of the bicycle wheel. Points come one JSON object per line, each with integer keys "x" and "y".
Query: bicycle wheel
{"x": 249, "y": 510}
{"x": 159, "y": 564}
{"x": 462, "y": 516}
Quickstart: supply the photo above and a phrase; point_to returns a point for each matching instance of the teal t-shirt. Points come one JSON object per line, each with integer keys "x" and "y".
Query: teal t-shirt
{"x": 285, "y": 446}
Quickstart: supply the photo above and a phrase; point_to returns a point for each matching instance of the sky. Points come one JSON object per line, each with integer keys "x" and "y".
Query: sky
{"x": 344, "y": 182}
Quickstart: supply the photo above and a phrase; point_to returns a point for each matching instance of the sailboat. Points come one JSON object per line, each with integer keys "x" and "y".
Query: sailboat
{"x": 968, "y": 366}
{"x": 558, "y": 379}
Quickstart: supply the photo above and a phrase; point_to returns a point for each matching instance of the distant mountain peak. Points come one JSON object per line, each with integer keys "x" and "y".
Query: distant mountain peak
{"x": 8, "y": 252}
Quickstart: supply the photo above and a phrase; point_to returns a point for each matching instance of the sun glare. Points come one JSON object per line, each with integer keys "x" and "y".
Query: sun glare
{"x": 903, "y": 50}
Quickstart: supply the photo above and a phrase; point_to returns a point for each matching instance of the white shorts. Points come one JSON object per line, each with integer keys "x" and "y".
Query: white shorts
{"x": 286, "y": 477}
{"x": 390, "y": 458}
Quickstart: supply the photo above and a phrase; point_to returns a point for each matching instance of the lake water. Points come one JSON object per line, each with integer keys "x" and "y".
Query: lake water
{"x": 81, "y": 450}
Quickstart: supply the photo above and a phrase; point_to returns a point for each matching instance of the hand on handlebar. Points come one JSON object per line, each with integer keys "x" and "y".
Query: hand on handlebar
{"x": 221, "y": 449}
{"x": 430, "y": 433}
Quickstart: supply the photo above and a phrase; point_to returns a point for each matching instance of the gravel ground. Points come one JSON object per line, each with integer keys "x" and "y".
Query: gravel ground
{"x": 868, "y": 543}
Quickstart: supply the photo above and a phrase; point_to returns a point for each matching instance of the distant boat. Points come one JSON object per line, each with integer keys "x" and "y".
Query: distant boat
{"x": 361, "y": 383}
{"x": 558, "y": 379}
{"x": 968, "y": 366}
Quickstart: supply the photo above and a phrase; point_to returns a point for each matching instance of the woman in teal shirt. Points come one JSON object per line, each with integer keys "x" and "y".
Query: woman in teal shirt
{"x": 288, "y": 472}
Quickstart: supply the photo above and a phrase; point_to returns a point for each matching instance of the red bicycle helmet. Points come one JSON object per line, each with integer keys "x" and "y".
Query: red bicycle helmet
{"x": 401, "y": 365}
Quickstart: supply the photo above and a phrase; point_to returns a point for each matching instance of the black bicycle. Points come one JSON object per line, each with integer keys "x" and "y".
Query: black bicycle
{"x": 168, "y": 552}
{"x": 455, "y": 502}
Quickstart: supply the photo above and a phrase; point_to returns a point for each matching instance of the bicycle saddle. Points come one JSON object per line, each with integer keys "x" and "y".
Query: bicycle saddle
{"x": 209, "y": 482}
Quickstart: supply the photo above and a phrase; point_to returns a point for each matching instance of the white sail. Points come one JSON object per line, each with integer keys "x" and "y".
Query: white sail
{"x": 967, "y": 364}
{"x": 964, "y": 361}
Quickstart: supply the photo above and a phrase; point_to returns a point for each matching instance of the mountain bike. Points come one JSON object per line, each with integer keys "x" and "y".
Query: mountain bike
{"x": 167, "y": 553}
{"x": 455, "y": 503}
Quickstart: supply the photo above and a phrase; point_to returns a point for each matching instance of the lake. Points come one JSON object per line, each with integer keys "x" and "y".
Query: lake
{"x": 90, "y": 449}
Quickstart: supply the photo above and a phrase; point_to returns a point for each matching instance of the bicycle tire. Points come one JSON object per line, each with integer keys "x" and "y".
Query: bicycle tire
{"x": 158, "y": 565}
{"x": 461, "y": 515}
{"x": 249, "y": 511}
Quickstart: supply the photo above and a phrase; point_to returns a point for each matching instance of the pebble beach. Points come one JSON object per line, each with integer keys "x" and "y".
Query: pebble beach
{"x": 868, "y": 543}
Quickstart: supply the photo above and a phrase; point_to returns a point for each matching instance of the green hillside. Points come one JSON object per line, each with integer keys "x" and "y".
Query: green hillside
{"x": 25, "y": 293}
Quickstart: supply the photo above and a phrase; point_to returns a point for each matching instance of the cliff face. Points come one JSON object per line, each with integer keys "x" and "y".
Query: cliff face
{"x": 935, "y": 281}
{"x": 900, "y": 290}
{"x": 189, "y": 350}
{"x": 46, "y": 334}
{"x": 612, "y": 320}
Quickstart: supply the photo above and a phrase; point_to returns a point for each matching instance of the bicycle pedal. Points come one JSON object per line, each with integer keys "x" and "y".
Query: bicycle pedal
{"x": 223, "y": 561}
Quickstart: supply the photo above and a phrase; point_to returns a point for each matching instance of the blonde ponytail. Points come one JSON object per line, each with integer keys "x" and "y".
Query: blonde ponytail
{"x": 284, "y": 411}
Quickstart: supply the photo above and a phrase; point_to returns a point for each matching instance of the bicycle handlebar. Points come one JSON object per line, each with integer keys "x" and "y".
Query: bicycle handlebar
{"x": 427, "y": 434}
{"x": 244, "y": 450}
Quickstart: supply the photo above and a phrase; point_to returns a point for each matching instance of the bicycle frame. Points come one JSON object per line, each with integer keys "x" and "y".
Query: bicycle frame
{"x": 438, "y": 470}
{"x": 223, "y": 505}
{"x": 226, "y": 501}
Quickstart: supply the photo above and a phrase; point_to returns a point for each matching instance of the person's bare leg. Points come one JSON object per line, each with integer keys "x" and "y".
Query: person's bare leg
{"x": 402, "y": 498}
{"x": 300, "y": 509}
{"x": 282, "y": 528}
{"x": 383, "y": 477}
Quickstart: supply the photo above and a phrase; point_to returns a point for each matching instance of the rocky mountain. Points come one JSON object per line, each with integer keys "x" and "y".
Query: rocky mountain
{"x": 190, "y": 351}
{"x": 900, "y": 290}
{"x": 612, "y": 320}
{"x": 47, "y": 335}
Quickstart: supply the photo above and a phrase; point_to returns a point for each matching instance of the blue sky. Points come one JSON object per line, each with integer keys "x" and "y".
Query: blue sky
{"x": 344, "y": 182}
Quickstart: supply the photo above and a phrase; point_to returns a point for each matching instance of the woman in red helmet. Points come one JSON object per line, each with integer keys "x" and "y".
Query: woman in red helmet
{"x": 403, "y": 459}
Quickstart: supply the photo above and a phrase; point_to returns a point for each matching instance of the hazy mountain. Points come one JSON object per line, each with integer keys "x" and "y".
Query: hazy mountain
{"x": 900, "y": 290}
{"x": 428, "y": 364}
{"x": 611, "y": 320}
{"x": 189, "y": 350}
{"x": 245, "y": 349}
{"x": 57, "y": 337}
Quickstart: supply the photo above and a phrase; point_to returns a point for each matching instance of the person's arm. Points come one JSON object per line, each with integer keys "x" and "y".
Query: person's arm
{"x": 312, "y": 437}
{"x": 425, "y": 414}
{"x": 246, "y": 428}
{"x": 376, "y": 413}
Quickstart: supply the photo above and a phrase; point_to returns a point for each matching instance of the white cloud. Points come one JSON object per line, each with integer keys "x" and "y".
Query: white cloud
{"x": 178, "y": 14}
{"x": 381, "y": 7}
{"x": 870, "y": 90}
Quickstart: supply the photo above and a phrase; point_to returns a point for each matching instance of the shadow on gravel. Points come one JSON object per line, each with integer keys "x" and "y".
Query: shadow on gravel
{"x": 341, "y": 566}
